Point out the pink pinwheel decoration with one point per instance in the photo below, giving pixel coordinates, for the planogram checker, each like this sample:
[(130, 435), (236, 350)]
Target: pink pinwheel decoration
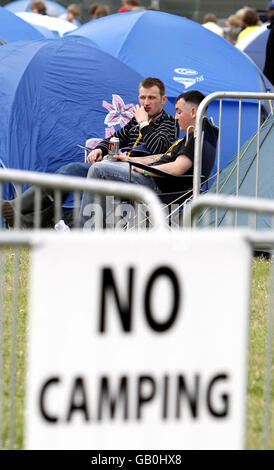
[(92, 143), (119, 112), (109, 131)]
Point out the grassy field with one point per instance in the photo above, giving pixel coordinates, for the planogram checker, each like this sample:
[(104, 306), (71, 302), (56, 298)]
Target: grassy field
[(258, 328)]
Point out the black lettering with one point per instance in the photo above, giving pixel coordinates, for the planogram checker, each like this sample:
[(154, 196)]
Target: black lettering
[(165, 400), (141, 396), (192, 398), (221, 413), (125, 307), (45, 414), (110, 402), (78, 400), (156, 326)]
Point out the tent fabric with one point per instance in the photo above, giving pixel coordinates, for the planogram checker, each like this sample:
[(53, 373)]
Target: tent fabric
[(57, 25), (54, 95), (247, 173), (254, 45), (14, 28), (185, 56), (53, 8), (192, 55)]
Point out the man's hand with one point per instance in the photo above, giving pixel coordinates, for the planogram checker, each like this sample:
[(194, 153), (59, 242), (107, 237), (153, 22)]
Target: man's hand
[(95, 156), (122, 157), (140, 113)]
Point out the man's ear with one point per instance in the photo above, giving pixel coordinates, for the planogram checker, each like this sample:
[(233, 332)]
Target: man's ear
[(164, 99), (193, 112)]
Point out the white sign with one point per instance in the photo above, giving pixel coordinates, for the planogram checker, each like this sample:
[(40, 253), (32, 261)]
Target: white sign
[(138, 341)]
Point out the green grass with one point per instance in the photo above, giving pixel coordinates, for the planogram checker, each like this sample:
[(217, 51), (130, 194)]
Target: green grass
[(257, 348), (258, 328)]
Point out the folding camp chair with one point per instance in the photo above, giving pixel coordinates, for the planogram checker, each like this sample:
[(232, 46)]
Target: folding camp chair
[(182, 185)]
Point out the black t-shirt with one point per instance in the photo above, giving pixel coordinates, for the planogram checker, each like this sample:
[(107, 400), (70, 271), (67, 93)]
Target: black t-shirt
[(182, 148)]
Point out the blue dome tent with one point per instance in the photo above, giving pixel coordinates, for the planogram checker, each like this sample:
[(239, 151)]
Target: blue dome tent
[(185, 56), (54, 95), (15, 29)]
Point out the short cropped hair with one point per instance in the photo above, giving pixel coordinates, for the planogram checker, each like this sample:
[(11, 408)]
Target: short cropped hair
[(152, 81), (193, 96)]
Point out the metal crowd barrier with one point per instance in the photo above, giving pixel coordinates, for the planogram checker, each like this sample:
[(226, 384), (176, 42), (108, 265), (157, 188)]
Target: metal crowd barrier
[(14, 279), (58, 183), (14, 270), (229, 97), (259, 240)]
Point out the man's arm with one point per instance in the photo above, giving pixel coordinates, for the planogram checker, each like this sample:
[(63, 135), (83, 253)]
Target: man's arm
[(159, 139), (123, 157), (179, 167)]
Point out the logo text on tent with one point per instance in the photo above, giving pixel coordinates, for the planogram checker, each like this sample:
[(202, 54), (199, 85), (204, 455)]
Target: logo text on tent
[(182, 71), (189, 79)]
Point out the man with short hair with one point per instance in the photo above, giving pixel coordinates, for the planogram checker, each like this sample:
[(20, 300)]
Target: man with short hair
[(177, 162), (150, 129)]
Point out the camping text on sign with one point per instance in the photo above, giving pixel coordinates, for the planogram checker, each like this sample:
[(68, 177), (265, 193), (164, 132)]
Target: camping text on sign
[(138, 341)]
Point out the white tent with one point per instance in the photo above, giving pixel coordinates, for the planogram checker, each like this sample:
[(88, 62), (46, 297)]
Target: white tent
[(57, 25), (254, 45)]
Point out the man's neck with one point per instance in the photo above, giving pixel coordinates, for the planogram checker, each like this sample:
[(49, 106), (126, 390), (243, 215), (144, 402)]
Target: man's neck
[(156, 115)]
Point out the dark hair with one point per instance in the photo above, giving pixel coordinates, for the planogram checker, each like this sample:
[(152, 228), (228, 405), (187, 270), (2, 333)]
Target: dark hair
[(152, 81), (93, 7), (134, 3), (210, 17), (193, 96), (251, 17), (101, 10)]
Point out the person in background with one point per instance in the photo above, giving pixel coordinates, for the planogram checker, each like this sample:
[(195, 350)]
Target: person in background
[(270, 11), (269, 56), (73, 12), (131, 5), (101, 10), (239, 15), (123, 8), (233, 29), (92, 9), (38, 7), (210, 22), (250, 22)]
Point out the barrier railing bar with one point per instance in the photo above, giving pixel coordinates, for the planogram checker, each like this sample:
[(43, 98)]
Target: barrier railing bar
[(2, 277), (13, 349), (238, 156), (268, 371), (37, 206), (199, 119), (108, 188), (219, 155)]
